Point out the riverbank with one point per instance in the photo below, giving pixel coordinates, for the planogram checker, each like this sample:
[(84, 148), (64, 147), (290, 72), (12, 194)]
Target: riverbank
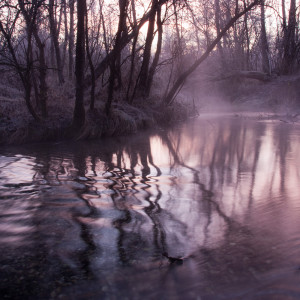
[(18, 127), (278, 96)]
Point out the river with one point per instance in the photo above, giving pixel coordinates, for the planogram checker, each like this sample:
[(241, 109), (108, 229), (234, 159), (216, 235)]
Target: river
[(92, 220)]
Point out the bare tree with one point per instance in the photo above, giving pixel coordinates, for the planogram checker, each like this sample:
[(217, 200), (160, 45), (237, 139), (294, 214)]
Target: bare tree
[(23, 68), (153, 67), (218, 28), (264, 41), (182, 77), (79, 111), (54, 34), (148, 45), (71, 39), (289, 42), (90, 61), (133, 54), (43, 88), (123, 4)]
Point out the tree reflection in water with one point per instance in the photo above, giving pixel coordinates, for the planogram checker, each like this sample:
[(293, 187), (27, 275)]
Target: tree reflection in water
[(106, 211)]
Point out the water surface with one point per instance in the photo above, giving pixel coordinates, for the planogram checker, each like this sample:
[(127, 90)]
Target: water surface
[(91, 220)]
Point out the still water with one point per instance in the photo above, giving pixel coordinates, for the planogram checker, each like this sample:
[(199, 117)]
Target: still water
[(91, 220)]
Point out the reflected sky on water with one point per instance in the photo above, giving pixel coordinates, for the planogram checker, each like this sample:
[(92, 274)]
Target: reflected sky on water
[(91, 220)]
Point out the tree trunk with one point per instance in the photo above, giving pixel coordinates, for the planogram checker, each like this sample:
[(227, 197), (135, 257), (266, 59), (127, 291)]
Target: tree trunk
[(147, 52), (264, 41), (31, 24), (66, 33), (79, 112), (289, 42), (131, 72), (182, 78), (132, 62), (104, 64), (283, 15), (157, 53), (91, 65), (71, 40), (54, 34), (27, 75), (247, 39), (239, 75), (116, 53), (43, 88), (25, 78), (218, 27)]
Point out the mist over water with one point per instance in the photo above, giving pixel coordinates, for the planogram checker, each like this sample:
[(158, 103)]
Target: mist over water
[(91, 220)]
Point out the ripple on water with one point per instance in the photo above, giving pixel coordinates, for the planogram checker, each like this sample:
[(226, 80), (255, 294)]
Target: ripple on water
[(97, 216)]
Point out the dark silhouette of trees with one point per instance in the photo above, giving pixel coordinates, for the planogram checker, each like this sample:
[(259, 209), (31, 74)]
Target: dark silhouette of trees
[(79, 111), (289, 41), (54, 31), (90, 61), (130, 52), (11, 52), (42, 93), (71, 39), (182, 78), (153, 67), (115, 57), (264, 41), (147, 51)]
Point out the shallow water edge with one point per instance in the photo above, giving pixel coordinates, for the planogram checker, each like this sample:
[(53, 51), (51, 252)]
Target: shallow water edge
[(92, 219)]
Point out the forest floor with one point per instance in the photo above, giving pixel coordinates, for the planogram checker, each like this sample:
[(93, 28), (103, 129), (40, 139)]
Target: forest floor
[(277, 98)]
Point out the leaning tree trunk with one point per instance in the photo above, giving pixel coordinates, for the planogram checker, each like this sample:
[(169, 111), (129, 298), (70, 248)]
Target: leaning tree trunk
[(104, 64), (147, 52), (182, 78), (131, 72), (79, 112), (115, 53), (157, 53)]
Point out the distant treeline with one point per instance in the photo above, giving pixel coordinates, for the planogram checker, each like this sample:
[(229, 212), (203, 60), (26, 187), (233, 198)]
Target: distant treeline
[(136, 51)]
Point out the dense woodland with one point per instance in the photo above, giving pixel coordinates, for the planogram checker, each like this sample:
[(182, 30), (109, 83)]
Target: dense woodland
[(103, 53)]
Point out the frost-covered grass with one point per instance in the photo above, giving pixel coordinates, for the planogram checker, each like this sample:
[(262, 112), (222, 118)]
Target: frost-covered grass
[(17, 125)]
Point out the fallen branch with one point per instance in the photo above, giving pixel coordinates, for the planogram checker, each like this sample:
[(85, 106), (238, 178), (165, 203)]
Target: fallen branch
[(244, 75)]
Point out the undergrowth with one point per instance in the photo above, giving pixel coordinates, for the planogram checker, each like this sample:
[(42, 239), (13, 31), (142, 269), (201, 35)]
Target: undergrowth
[(17, 127)]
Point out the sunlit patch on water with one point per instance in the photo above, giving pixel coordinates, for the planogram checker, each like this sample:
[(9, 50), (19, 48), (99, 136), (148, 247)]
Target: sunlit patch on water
[(94, 219)]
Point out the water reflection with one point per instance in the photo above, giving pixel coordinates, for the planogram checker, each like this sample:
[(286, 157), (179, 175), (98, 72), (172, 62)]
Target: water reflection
[(90, 219)]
